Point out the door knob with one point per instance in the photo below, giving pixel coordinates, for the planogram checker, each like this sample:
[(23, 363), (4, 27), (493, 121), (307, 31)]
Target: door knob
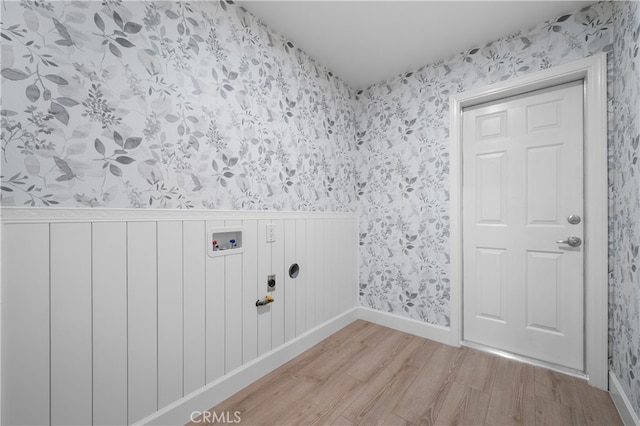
[(572, 241)]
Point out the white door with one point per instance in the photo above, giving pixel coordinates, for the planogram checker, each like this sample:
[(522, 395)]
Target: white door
[(522, 179)]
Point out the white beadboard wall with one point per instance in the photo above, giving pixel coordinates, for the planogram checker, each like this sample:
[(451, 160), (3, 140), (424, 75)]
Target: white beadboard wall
[(111, 315)]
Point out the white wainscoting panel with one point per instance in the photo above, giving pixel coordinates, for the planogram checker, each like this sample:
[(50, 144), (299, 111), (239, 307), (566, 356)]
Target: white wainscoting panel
[(142, 319), (233, 307), (109, 267), (233, 311), (249, 291), (70, 324), (214, 312), (300, 282), (193, 258), (265, 325), (289, 283), (310, 276), (111, 315), (170, 313), (321, 273), (278, 268), (332, 257), (25, 325)]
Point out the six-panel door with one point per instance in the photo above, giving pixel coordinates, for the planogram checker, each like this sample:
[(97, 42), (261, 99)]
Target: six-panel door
[(522, 178)]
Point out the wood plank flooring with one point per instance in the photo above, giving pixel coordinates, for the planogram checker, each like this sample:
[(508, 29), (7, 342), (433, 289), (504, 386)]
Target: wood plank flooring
[(366, 374)]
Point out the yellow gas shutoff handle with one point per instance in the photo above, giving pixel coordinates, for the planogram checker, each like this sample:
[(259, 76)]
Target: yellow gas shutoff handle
[(265, 301)]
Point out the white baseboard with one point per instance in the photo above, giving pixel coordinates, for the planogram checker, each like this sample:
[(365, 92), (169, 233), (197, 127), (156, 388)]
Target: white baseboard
[(407, 325), (628, 415), (217, 391)]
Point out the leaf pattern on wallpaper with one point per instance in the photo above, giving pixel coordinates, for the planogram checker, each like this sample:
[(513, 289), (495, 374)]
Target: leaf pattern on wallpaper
[(167, 104), (402, 182), (624, 182)]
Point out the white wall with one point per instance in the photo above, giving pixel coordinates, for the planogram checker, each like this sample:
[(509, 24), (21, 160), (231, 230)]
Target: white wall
[(111, 315)]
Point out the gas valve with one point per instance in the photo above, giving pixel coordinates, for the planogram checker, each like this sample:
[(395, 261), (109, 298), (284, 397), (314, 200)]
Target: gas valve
[(265, 301)]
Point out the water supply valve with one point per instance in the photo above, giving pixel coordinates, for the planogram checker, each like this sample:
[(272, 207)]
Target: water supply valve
[(223, 241)]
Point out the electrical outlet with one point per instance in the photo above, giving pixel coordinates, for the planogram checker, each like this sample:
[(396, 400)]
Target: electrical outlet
[(271, 233)]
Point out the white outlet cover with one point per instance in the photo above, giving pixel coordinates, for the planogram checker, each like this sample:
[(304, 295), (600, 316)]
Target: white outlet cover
[(271, 232)]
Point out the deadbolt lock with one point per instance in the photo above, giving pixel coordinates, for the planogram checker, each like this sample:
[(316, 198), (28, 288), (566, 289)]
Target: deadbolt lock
[(574, 219)]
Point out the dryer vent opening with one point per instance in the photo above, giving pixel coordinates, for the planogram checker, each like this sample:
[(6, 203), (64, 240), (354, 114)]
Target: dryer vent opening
[(294, 270)]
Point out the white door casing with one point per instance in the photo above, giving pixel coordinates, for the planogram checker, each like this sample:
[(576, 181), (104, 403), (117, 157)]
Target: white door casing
[(593, 70), (522, 177)]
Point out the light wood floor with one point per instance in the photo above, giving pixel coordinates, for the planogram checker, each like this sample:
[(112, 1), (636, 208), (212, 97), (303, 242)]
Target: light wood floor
[(368, 374)]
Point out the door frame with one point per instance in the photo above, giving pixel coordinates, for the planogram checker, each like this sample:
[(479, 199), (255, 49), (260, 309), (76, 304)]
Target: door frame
[(593, 70)]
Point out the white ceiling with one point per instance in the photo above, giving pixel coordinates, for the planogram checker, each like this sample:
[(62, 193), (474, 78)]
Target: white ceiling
[(365, 42)]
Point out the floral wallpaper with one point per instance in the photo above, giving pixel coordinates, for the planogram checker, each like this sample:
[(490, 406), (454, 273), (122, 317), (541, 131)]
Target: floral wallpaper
[(624, 234), (167, 105), (403, 158), (199, 105)]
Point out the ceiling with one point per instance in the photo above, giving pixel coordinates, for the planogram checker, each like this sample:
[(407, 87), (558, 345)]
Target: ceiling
[(365, 42)]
